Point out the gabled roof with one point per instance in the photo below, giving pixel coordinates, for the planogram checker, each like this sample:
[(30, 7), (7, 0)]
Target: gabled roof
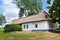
[(42, 16)]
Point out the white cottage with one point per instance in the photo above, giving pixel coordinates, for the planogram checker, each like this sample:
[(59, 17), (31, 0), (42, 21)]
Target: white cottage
[(39, 22)]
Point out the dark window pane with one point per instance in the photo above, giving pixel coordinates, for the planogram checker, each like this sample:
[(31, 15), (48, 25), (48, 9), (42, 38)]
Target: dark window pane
[(24, 26), (27, 26), (46, 16), (36, 25)]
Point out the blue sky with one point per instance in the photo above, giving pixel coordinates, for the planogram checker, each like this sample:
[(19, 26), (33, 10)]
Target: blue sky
[(10, 10), (1, 7), (45, 5)]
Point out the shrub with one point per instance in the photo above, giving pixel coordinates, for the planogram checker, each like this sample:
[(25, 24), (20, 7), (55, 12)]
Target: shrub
[(12, 27)]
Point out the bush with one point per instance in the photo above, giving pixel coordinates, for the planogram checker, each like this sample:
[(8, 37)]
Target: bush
[(12, 27)]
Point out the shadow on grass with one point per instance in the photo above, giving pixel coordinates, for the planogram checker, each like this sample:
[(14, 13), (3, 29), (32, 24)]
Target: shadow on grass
[(57, 31)]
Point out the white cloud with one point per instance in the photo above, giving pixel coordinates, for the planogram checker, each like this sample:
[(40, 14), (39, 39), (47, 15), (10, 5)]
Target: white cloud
[(10, 10)]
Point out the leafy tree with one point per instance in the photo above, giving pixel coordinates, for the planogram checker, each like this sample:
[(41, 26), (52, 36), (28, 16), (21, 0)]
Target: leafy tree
[(54, 10), (28, 7), (2, 19)]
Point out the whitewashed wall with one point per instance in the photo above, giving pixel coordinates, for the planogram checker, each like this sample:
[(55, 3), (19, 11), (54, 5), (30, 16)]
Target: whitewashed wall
[(41, 26)]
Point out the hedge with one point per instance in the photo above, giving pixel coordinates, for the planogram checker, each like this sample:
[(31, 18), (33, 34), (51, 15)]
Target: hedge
[(12, 27)]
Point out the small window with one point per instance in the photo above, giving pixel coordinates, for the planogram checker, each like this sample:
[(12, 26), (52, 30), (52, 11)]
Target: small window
[(24, 26), (46, 16), (36, 25), (27, 26)]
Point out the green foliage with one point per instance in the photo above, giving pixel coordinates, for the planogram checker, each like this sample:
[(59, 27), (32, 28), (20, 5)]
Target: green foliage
[(57, 25), (48, 1), (2, 19), (12, 27), (31, 6), (54, 11)]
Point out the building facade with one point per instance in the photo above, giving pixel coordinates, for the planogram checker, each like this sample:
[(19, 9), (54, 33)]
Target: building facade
[(39, 22)]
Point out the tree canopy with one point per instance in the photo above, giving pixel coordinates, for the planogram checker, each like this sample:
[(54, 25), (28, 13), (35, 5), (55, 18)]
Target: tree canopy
[(54, 10), (2, 19), (28, 7)]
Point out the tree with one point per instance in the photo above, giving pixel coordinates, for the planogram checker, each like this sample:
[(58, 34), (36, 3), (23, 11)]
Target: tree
[(2, 19), (54, 10), (28, 7)]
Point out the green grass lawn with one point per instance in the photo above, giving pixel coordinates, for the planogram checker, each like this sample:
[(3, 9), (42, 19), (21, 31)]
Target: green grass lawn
[(29, 36)]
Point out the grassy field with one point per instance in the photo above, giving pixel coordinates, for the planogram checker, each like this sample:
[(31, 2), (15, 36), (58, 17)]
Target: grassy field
[(29, 36)]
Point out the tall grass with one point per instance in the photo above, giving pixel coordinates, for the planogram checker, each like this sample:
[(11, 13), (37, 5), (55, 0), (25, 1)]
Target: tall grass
[(29, 36), (20, 35)]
